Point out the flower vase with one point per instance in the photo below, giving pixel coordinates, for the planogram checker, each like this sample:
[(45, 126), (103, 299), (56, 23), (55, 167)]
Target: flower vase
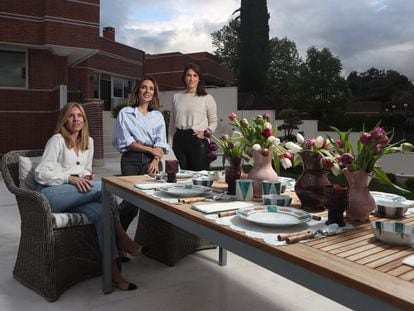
[(233, 172), (361, 202), (311, 183), (262, 170)]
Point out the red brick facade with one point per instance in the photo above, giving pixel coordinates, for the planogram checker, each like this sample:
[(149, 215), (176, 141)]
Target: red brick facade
[(167, 68), (62, 45)]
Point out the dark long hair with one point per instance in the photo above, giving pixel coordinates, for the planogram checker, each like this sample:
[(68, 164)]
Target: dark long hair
[(201, 91), (133, 99)]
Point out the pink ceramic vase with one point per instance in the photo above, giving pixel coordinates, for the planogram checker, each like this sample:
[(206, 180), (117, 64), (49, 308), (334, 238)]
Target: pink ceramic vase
[(361, 202), (262, 170)]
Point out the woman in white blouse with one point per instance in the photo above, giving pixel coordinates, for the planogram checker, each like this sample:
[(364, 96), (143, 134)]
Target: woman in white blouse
[(65, 177), (193, 112)]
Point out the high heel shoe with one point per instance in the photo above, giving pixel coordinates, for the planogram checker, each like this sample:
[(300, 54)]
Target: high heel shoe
[(134, 252), (125, 286)]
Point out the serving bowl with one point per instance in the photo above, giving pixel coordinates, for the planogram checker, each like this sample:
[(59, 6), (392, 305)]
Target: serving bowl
[(396, 233), (390, 209), (203, 180)]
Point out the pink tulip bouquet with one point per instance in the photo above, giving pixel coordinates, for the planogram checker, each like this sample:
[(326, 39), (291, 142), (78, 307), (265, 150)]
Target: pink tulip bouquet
[(370, 147)]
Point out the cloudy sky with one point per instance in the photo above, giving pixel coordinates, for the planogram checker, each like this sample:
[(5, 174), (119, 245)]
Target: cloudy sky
[(362, 33)]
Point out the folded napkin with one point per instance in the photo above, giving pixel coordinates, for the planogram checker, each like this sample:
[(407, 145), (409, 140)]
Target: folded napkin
[(149, 186), (409, 261), (220, 207)]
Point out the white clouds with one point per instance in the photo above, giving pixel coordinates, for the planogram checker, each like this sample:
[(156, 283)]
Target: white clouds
[(362, 33)]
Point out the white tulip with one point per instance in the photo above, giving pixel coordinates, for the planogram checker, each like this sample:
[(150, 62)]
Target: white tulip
[(299, 138), (292, 147), (286, 163), (256, 147), (335, 169), (319, 142)]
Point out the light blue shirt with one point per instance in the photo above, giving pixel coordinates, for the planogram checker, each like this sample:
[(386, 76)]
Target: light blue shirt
[(132, 126)]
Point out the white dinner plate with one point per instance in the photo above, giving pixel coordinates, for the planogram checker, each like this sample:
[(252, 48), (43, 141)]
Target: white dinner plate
[(273, 215), (185, 191), (387, 196)]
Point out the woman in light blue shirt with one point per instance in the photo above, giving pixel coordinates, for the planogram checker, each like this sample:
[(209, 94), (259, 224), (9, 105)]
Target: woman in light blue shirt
[(140, 135)]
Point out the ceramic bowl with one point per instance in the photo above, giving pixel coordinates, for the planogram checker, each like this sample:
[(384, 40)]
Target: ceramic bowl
[(393, 233), (203, 180), (390, 209), (276, 199)]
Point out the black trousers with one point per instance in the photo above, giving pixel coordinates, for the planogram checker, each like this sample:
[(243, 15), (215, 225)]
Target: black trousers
[(190, 150), (132, 163)]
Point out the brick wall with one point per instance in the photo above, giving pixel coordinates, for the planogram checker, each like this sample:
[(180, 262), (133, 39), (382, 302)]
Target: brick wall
[(93, 111)]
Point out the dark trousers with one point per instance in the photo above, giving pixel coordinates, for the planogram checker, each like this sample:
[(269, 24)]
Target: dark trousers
[(190, 150), (132, 163)]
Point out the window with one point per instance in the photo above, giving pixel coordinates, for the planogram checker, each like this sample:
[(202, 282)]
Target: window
[(122, 87), (12, 69)]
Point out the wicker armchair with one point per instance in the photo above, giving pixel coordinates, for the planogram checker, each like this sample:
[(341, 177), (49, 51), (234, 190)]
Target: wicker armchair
[(49, 259)]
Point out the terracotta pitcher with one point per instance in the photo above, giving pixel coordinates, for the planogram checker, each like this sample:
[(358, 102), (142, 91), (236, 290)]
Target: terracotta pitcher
[(262, 170)]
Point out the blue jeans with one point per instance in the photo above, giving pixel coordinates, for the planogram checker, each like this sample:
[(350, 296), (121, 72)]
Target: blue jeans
[(67, 198)]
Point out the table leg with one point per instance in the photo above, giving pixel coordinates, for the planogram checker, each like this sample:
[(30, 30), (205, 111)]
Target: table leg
[(107, 228), (222, 257)]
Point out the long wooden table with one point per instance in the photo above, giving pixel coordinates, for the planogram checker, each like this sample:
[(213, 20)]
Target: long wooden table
[(352, 268)]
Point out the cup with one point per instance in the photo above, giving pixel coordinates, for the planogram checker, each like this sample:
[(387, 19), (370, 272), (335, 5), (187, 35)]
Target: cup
[(276, 199), (271, 187), (244, 189), (171, 168), (336, 199)]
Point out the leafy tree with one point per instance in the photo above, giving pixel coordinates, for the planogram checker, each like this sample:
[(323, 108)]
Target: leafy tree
[(291, 121), (378, 85), (324, 93), (226, 41), (283, 72), (254, 45)]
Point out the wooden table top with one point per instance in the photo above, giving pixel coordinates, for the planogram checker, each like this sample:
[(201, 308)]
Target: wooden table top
[(354, 258)]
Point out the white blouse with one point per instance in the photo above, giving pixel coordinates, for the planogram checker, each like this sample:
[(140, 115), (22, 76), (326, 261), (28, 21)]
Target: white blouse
[(58, 162)]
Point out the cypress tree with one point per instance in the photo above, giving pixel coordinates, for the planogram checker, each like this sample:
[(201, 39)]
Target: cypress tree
[(254, 46)]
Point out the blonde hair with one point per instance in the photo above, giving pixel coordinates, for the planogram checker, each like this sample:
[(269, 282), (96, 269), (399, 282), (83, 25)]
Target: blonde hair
[(133, 99), (83, 136)]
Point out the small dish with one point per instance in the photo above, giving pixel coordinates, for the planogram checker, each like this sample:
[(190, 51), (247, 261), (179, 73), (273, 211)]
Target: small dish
[(203, 180), (393, 233), (273, 215), (185, 191), (288, 184), (390, 209)]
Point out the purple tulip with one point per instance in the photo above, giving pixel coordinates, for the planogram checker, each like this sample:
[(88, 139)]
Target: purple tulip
[(377, 133), (347, 158), (213, 146), (232, 116), (207, 133), (231, 145), (365, 138), (266, 116), (384, 140), (308, 143), (340, 144)]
